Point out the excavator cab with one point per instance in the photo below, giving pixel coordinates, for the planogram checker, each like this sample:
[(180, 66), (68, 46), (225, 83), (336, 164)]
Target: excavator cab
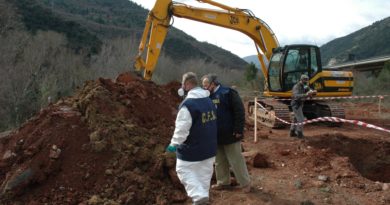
[(286, 66), (288, 63)]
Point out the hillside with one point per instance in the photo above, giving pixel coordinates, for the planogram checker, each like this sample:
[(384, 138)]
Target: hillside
[(51, 47), (371, 41), (255, 60), (252, 59), (120, 18)]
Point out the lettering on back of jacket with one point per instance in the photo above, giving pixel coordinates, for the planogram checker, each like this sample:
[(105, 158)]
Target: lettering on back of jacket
[(216, 101), (208, 116)]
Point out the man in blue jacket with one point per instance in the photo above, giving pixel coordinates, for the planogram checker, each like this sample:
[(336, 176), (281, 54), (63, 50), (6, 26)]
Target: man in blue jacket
[(230, 123), (195, 140)]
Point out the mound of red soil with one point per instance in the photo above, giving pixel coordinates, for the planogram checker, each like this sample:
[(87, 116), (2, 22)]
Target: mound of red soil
[(104, 145)]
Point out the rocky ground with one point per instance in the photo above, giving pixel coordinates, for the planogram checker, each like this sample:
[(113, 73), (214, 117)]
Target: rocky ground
[(105, 145)]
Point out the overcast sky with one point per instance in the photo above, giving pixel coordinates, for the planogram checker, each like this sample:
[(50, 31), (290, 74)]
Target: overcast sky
[(298, 21)]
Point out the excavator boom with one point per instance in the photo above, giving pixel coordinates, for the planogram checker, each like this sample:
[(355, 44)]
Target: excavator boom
[(242, 20)]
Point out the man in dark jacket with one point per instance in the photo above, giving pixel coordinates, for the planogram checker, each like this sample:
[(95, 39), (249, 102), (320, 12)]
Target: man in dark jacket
[(230, 128), (300, 92)]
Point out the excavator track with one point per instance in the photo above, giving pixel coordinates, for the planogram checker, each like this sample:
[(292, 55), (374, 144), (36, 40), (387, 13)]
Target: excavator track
[(326, 109), (274, 109), (280, 109)]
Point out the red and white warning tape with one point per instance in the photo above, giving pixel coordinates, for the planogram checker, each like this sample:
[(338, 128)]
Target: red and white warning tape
[(348, 97), (331, 119)]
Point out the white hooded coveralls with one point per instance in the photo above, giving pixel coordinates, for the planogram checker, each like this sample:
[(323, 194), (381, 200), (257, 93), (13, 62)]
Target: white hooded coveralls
[(195, 176)]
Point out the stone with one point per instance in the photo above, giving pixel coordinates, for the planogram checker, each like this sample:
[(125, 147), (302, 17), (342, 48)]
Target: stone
[(323, 178), (130, 126), (86, 176), (385, 186), (8, 155), (95, 136), (326, 189), (109, 172), (54, 152), (328, 200), (99, 146), (95, 200)]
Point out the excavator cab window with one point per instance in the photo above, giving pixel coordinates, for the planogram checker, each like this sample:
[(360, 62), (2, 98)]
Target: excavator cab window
[(313, 62), (274, 71), (296, 64)]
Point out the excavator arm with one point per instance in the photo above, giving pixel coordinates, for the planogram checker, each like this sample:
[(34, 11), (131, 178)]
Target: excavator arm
[(281, 80), (242, 20)]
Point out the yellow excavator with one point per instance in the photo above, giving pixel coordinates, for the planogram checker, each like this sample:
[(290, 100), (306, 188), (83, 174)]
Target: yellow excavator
[(281, 69)]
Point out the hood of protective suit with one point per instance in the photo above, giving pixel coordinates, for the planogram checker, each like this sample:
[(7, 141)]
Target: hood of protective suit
[(198, 92)]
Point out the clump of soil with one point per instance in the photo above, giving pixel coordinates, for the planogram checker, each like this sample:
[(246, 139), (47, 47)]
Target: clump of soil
[(105, 144)]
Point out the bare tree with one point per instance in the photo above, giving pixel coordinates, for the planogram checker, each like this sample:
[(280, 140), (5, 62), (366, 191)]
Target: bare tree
[(116, 56), (8, 20), (168, 70)]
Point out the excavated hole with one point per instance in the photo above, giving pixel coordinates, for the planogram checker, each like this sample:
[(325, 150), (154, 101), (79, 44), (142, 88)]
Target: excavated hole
[(370, 157)]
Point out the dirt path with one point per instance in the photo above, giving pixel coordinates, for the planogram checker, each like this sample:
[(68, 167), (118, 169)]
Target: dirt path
[(106, 145), (352, 162)]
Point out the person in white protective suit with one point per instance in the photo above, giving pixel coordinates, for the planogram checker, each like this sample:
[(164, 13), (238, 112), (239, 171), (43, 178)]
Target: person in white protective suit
[(195, 140)]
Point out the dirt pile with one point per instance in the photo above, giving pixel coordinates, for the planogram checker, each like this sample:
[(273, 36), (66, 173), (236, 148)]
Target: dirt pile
[(104, 145)]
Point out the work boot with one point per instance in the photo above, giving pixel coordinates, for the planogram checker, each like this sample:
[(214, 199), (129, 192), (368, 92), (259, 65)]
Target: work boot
[(293, 133), (220, 187), (300, 135)]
